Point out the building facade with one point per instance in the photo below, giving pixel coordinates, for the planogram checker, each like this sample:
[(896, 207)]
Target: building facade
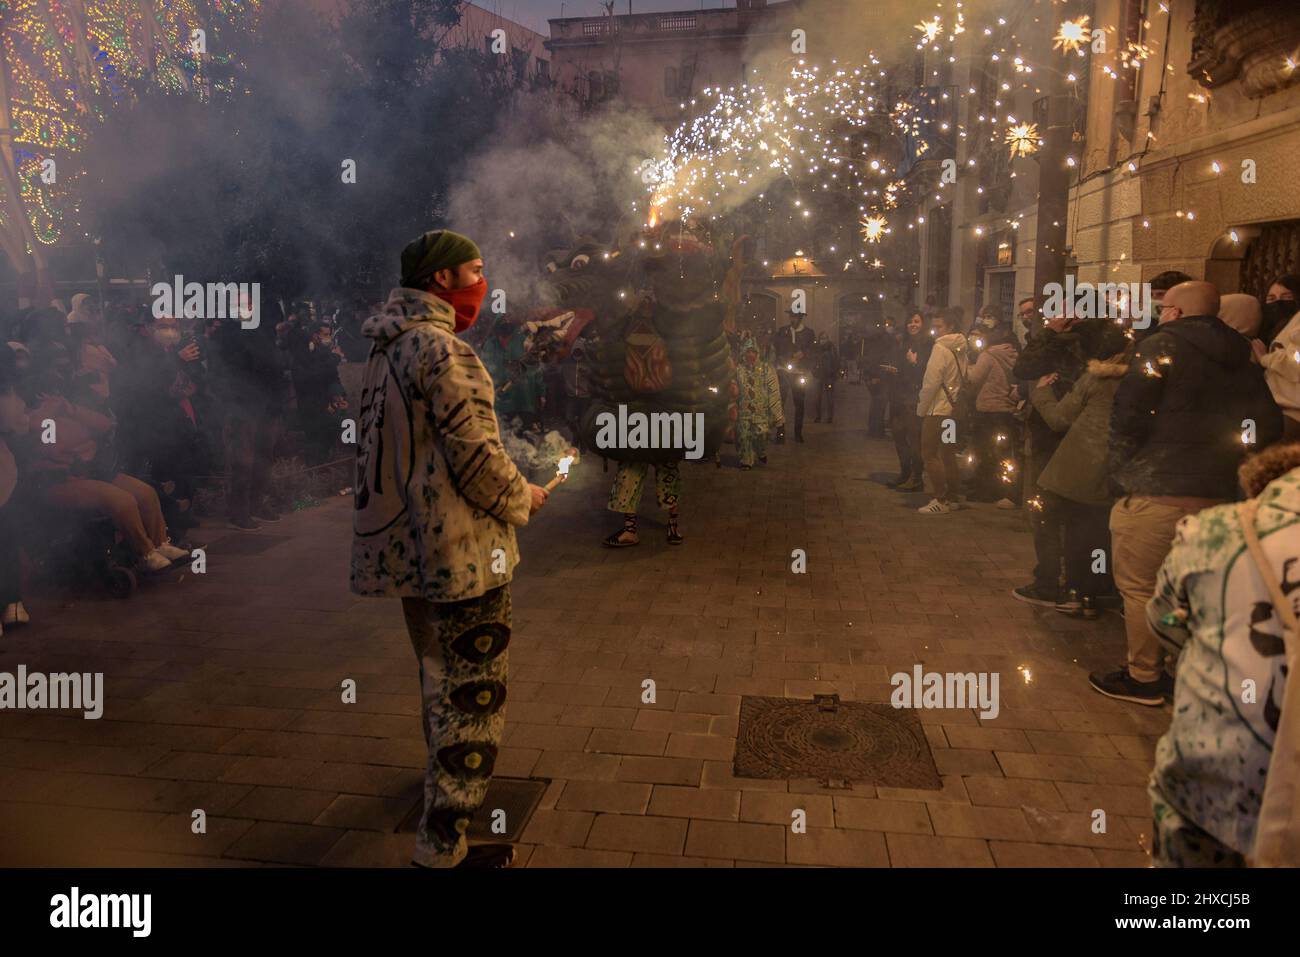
[(1193, 161)]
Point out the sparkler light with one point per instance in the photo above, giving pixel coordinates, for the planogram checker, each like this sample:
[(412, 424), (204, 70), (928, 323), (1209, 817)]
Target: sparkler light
[(873, 227), (930, 28), (1071, 36), (562, 469), (1023, 139)]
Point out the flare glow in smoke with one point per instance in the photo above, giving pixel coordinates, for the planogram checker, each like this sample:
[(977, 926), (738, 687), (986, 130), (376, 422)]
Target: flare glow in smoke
[(1071, 35)]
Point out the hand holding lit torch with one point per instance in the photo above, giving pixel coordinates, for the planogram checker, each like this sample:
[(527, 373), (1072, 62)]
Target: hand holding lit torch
[(562, 469)]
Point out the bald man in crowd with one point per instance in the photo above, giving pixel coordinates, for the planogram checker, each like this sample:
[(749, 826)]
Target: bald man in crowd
[(1191, 405)]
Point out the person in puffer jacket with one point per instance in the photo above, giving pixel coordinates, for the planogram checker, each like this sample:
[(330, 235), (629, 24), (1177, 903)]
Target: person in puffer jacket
[(436, 503)]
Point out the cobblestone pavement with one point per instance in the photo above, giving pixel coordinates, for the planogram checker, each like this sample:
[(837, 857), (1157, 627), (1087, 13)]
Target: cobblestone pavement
[(223, 690)]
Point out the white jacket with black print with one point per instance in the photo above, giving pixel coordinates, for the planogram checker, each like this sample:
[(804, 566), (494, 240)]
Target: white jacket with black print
[(437, 497)]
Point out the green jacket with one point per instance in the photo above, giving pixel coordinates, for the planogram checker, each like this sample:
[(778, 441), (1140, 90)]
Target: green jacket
[(1077, 469)]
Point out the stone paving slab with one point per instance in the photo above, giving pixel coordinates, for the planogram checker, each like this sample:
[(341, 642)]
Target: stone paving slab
[(223, 690)]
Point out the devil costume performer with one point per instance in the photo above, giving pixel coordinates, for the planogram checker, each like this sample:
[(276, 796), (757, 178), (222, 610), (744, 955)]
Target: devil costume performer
[(668, 355)]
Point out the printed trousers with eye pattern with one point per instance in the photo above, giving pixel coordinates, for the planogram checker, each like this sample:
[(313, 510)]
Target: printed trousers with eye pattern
[(461, 648), (630, 478)]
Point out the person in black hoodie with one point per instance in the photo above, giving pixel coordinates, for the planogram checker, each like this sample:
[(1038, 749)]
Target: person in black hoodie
[(902, 375), (1190, 406)]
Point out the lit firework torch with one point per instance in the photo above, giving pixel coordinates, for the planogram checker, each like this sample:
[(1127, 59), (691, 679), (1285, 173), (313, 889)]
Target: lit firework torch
[(562, 469)]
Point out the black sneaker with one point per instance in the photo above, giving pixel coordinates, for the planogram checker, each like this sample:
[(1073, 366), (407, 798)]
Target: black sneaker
[(1120, 686), (242, 524), (1034, 595), (482, 857), (488, 856), (1070, 603)]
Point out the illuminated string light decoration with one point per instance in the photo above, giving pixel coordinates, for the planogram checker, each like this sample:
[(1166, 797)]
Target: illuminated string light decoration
[(65, 62), (1071, 36), (1023, 139)]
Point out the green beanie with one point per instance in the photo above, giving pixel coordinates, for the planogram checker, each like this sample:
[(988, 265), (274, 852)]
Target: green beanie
[(440, 249)]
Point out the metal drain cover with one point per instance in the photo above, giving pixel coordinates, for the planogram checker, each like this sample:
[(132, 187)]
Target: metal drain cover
[(834, 742), (517, 797)]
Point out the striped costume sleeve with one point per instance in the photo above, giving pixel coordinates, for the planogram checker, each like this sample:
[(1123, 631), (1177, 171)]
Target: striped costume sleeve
[(460, 395)]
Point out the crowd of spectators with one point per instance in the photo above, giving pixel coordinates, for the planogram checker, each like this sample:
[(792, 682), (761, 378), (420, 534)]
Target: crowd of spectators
[(110, 413)]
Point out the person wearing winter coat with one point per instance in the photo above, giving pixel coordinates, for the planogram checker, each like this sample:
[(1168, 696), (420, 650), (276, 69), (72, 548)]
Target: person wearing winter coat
[(1191, 404), (1222, 603), (436, 503), (1281, 301), (1282, 360), (1055, 347), (1074, 484), (945, 377), (996, 428), (902, 375), (248, 382), (794, 353), (315, 377), (759, 408), (826, 372)]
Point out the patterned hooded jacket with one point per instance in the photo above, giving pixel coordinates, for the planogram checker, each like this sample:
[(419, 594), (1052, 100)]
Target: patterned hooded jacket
[(1210, 601), (759, 403), (436, 493)]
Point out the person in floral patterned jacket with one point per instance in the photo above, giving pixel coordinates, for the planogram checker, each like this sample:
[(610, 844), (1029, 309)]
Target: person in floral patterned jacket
[(759, 408), (1213, 602), (436, 503)]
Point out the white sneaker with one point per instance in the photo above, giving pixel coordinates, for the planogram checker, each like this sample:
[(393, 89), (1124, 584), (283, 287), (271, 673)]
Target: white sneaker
[(171, 552), (15, 614), (1006, 503), (156, 561), (935, 507)]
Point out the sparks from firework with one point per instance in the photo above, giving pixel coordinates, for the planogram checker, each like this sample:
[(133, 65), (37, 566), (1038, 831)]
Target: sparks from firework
[(873, 227), (1023, 139), (930, 28), (1071, 35)]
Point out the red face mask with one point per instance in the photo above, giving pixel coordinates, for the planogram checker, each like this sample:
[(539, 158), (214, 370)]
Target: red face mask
[(465, 301)]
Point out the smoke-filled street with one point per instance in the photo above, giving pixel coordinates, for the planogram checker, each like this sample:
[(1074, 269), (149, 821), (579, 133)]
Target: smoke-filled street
[(241, 713), (601, 442)]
